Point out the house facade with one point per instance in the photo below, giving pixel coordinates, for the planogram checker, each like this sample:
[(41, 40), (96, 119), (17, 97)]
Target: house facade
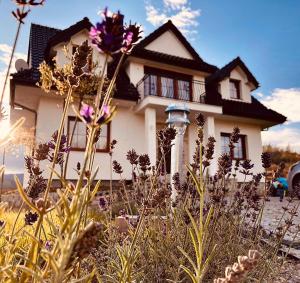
[(162, 69)]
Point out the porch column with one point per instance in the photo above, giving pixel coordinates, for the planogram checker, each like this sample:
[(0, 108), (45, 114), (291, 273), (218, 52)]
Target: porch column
[(150, 133), (209, 131)]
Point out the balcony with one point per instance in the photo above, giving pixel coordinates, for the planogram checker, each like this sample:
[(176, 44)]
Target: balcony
[(166, 87)]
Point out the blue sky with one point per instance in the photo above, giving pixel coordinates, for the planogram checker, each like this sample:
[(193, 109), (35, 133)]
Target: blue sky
[(265, 34)]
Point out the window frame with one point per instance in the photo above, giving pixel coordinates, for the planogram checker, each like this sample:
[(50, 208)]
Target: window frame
[(69, 129), (90, 62), (160, 73), (237, 84), (244, 150)]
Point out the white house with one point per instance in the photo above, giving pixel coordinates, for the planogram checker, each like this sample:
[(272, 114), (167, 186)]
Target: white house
[(162, 69)]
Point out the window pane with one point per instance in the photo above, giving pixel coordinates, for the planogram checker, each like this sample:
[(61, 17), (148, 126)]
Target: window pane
[(79, 137), (238, 150), (234, 89), (225, 145), (102, 142), (150, 86), (167, 87), (183, 90)]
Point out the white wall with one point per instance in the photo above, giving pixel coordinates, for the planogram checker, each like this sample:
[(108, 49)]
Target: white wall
[(64, 58), (168, 43), (253, 141), (127, 128)]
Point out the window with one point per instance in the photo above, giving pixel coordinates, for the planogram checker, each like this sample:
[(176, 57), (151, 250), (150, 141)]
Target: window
[(167, 84), (235, 89), (167, 87), (90, 62), (184, 89), (80, 136), (151, 85), (239, 151)]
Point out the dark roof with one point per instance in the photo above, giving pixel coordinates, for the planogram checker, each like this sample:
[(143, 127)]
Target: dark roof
[(196, 63), (173, 60), (66, 34), (224, 72), (42, 37), (38, 39), (255, 110), (124, 88)]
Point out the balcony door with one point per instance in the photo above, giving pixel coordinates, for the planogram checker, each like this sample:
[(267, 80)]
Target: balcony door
[(167, 84)]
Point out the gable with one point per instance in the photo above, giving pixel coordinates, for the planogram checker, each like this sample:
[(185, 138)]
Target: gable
[(168, 43)]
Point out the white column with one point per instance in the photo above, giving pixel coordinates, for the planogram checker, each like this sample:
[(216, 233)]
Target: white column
[(177, 162), (209, 131), (150, 133)]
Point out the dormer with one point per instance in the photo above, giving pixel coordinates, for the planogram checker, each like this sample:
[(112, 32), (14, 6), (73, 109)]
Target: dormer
[(68, 40), (235, 81)]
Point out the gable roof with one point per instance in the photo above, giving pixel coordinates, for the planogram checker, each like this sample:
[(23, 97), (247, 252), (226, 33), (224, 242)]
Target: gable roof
[(224, 72), (162, 29), (66, 34), (42, 38), (196, 63), (38, 39)]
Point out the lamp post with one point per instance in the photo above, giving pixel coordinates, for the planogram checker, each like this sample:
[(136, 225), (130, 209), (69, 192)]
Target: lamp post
[(177, 118)]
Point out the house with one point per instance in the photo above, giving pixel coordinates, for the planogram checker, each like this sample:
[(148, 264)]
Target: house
[(163, 68)]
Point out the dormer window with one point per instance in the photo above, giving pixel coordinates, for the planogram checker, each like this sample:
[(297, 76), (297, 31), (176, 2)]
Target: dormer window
[(90, 63), (235, 92)]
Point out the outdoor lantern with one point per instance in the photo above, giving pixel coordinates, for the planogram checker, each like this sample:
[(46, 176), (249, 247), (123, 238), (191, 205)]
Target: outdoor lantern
[(177, 118)]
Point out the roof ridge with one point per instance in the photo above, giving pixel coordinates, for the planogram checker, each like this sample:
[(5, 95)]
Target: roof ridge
[(223, 71), (45, 26)]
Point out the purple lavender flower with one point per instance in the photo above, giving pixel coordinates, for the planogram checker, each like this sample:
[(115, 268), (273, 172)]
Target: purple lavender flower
[(103, 204), (106, 114), (108, 35), (131, 36), (87, 112), (48, 245), (63, 148), (31, 218)]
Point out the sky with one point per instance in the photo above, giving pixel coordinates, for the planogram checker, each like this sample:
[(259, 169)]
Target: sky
[(265, 34)]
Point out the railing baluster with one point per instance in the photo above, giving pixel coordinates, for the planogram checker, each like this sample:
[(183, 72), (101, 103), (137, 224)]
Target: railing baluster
[(193, 91)]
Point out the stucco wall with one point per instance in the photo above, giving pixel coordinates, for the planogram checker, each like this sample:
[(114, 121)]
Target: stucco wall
[(127, 128), (245, 87), (76, 40), (168, 43), (253, 141)]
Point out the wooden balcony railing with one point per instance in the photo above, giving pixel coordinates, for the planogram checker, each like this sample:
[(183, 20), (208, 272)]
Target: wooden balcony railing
[(187, 90)]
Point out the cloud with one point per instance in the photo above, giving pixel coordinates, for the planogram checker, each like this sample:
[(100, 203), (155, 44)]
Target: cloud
[(286, 102), (283, 137), (178, 11), (175, 4), (5, 53)]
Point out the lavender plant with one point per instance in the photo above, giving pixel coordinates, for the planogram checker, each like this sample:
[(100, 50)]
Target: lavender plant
[(210, 224)]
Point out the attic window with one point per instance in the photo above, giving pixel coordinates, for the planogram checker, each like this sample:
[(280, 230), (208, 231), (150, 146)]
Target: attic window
[(235, 92), (90, 63)]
